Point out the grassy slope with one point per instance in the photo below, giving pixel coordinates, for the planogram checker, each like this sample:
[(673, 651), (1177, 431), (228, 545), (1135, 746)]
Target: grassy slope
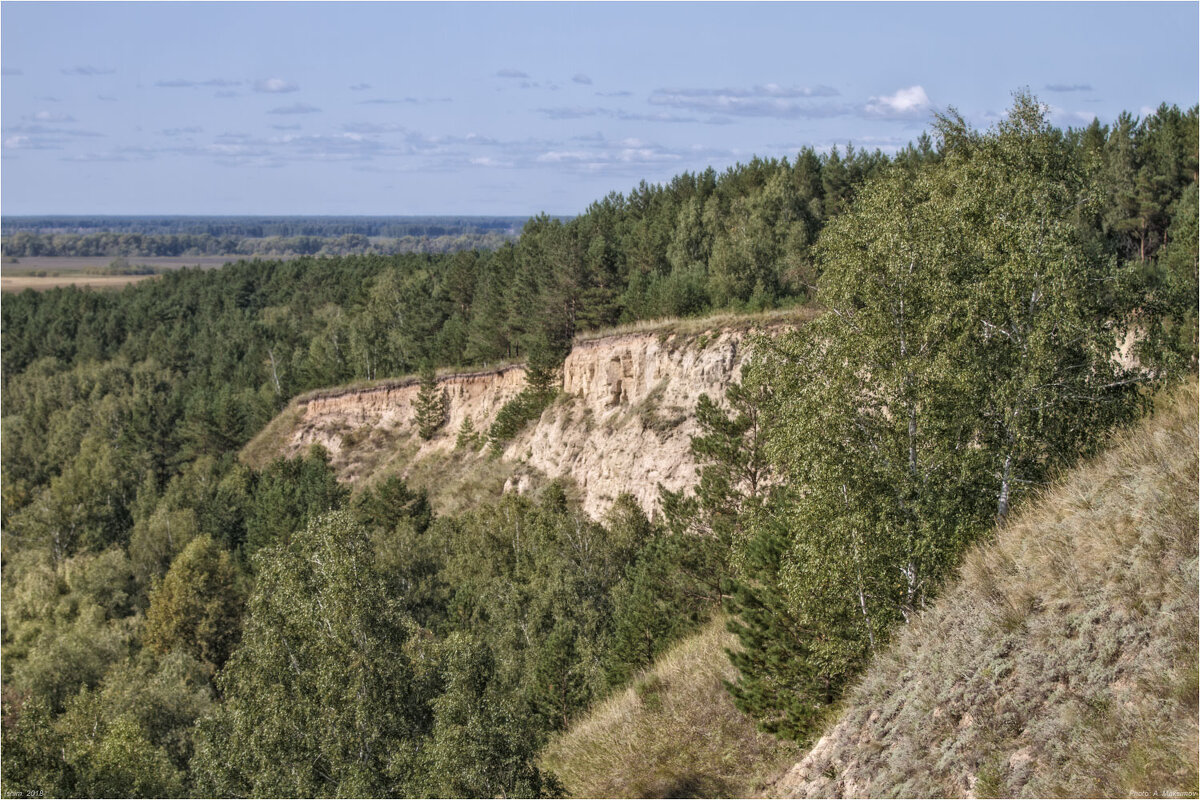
[(1063, 662), (673, 733)]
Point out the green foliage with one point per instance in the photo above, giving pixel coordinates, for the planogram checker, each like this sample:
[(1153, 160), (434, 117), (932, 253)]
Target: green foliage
[(536, 583), (130, 736), (681, 577), (541, 387), (33, 749), (1172, 285), (118, 760), (661, 599), (978, 286), (84, 508), (1093, 585), (319, 697), (287, 495), (963, 309), (65, 624), (801, 634), (431, 405), (196, 609), (468, 438), (481, 745), (390, 503)]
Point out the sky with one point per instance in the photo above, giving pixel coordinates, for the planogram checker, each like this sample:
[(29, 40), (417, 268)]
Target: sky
[(519, 108)]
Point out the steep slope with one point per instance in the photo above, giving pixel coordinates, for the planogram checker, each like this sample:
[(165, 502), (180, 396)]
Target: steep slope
[(1064, 659), (623, 422), (673, 733)]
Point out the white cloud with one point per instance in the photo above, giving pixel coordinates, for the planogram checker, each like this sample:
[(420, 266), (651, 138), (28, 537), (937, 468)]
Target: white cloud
[(52, 116), (905, 103), (22, 142), (275, 86)]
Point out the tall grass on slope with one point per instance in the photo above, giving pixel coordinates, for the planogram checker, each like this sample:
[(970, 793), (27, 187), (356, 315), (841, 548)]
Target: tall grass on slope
[(1063, 662), (673, 733)]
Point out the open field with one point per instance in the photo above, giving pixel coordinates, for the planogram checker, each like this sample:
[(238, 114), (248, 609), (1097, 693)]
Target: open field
[(19, 283), (48, 272)]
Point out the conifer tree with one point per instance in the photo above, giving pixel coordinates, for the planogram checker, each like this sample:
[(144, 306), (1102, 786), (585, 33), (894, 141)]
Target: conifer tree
[(431, 405)]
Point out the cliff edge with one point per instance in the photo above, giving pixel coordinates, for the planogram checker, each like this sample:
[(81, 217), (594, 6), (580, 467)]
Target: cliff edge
[(622, 423)]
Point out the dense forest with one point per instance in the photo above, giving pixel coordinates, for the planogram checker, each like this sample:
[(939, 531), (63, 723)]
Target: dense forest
[(175, 622)]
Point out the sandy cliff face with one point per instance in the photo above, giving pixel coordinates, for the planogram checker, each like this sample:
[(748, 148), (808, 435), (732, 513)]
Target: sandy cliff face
[(623, 423)]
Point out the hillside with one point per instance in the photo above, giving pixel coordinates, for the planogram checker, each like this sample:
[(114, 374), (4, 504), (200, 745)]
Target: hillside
[(1062, 662), (630, 745), (623, 422)]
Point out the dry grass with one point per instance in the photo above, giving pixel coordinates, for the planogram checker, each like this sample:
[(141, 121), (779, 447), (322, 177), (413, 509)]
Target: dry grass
[(1063, 662), (673, 733), (19, 283), (694, 326), (268, 444), (458, 480)]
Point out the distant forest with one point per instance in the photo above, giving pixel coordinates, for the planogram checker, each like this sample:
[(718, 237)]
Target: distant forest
[(178, 623), (153, 236)]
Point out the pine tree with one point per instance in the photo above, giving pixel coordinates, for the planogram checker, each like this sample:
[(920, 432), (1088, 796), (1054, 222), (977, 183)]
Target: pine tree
[(468, 437), (431, 405)]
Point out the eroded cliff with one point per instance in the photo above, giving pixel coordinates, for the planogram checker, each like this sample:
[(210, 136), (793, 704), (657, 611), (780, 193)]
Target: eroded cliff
[(623, 422)]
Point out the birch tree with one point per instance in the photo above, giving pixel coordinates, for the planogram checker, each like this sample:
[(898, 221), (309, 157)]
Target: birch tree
[(969, 347)]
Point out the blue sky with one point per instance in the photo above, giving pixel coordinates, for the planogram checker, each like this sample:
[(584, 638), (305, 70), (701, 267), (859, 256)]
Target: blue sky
[(498, 108)]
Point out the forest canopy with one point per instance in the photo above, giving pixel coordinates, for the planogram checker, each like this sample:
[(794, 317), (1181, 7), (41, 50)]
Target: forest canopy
[(175, 622)]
